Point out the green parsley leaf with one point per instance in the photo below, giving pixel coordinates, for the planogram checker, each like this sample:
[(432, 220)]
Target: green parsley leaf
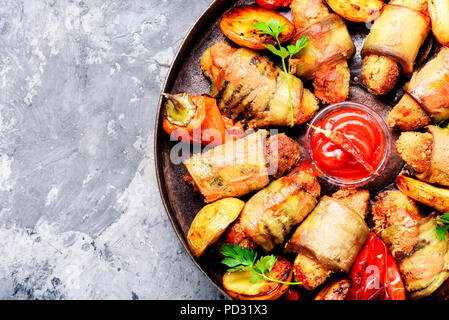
[(443, 124), (441, 232), (274, 29), (244, 259), (443, 226), (300, 44)]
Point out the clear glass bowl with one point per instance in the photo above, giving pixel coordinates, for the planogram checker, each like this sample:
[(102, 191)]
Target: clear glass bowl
[(341, 106)]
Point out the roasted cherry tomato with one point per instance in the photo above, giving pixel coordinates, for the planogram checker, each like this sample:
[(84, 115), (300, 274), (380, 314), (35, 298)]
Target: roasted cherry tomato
[(274, 4)]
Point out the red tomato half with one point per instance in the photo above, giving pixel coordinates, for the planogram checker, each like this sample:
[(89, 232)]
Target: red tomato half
[(274, 4)]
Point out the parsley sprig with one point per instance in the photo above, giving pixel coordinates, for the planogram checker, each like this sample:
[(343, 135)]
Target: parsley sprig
[(244, 259), (274, 29), (443, 124), (442, 226)]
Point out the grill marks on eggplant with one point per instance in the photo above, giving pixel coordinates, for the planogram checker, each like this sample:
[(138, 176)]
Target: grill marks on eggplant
[(250, 87)]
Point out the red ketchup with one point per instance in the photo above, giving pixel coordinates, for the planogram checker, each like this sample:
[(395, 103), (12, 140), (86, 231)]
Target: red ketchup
[(365, 133)]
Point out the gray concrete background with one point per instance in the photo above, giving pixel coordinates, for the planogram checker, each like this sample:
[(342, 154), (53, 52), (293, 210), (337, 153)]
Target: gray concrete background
[(80, 212)]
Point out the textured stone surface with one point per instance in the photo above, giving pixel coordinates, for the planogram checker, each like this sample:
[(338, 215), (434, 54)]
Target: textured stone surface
[(80, 212)]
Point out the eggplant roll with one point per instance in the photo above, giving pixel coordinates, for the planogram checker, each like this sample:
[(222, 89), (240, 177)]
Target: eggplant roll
[(329, 44), (430, 86), (398, 33), (250, 88), (324, 58), (333, 234), (231, 169), (425, 270), (270, 214), (427, 153)]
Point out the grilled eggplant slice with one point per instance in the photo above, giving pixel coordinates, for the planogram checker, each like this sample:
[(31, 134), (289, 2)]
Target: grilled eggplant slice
[(425, 270), (272, 212), (333, 234), (238, 25), (238, 286), (250, 88), (357, 10), (231, 169), (425, 193), (394, 23), (430, 86), (210, 223)]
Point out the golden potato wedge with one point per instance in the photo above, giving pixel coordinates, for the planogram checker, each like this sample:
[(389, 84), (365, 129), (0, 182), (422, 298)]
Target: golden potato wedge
[(238, 25), (439, 14), (425, 193), (211, 222), (336, 290), (237, 283), (357, 10)]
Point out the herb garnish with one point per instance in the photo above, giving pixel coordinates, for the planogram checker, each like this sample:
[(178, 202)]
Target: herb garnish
[(443, 124), (274, 29), (244, 259), (443, 226)]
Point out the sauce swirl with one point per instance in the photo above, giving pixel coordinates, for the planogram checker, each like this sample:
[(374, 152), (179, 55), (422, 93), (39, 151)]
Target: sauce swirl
[(362, 130)]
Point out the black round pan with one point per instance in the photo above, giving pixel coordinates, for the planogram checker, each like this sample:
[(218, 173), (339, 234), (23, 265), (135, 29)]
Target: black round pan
[(185, 75)]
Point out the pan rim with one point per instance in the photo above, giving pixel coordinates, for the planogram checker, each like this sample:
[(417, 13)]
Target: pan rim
[(186, 43)]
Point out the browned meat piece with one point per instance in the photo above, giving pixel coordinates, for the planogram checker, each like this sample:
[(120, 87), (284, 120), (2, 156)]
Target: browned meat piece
[(356, 199), (336, 290), (236, 235), (415, 148), (189, 180), (332, 84), (309, 272), (396, 221), (307, 12), (408, 115), (282, 153), (380, 73)]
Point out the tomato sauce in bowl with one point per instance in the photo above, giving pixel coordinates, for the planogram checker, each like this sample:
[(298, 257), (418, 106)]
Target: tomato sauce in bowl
[(363, 128)]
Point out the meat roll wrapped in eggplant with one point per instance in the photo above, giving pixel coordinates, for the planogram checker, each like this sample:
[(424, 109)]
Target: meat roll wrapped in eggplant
[(427, 153), (332, 233), (324, 58), (426, 97), (237, 167), (308, 269), (430, 86), (231, 169), (270, 214), (425, 270), (393, 40), (249, 87)]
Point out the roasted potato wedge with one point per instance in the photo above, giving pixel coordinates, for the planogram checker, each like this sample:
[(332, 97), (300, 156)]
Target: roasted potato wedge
[(439, 14), (211, 222), (357, 10), (237, 283), (425, 193), (238, 25), (336, 290)]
